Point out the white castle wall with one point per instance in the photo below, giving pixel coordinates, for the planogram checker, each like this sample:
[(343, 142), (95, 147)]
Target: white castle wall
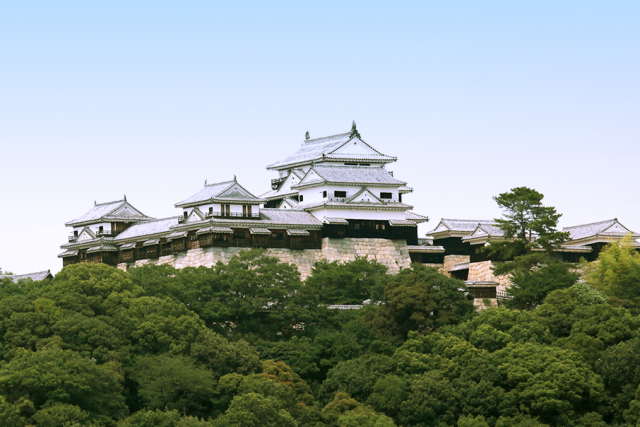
[(392, 253)]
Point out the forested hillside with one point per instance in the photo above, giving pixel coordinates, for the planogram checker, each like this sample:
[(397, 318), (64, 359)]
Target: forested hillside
[(249, 344)]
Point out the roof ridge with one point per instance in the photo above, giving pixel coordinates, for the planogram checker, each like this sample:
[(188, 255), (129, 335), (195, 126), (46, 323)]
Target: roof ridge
[(592, 223), (325, 137), (469, 220), (218, 183), (108, 203)]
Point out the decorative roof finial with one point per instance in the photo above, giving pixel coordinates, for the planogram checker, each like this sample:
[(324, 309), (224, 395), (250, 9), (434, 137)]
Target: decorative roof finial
[(306, 135), (125, 197), (95, 203), (205, 182), (354, 131), (234, 179)]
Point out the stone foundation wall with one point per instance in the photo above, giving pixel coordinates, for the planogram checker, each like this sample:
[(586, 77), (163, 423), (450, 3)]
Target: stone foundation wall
[(451, 260), (392, 253), (481, 271)]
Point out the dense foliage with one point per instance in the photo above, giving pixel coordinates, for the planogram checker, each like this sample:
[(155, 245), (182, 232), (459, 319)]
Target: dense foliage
[(250, 344)]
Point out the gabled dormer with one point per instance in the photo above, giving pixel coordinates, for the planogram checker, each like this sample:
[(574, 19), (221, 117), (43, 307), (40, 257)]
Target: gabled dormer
[(85, 234), (106, 219), (364, 196), (223, 199), (348, 147), (602, 232)]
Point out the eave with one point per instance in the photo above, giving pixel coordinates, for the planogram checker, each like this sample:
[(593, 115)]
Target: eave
[(358, 207), (220, 201), (320, 159)]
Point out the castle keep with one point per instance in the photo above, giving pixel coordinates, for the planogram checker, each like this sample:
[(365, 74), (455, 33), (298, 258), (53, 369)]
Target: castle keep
[(333, 199)]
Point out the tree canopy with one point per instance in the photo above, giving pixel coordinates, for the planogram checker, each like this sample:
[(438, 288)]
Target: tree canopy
[(249, 344)]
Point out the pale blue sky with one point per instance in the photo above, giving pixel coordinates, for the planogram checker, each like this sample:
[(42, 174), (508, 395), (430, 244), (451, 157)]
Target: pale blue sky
[(149, 99)]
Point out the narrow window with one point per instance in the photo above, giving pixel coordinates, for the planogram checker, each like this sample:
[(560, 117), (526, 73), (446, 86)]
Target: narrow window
[(227, 209), (339, 194), (324, 194), (249, 210), (75, 233), (244, 210), (386, 195), (301, 198), (100, 229), (185, 214), (210, 210)]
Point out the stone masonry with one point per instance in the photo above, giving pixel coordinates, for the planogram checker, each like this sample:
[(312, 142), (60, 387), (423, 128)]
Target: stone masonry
[(392, 253), (481, 271)]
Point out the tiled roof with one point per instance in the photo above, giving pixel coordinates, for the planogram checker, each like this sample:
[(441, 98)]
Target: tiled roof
[(591, 230), (289, 217), (401, 223), (298, 232), (215, 230), (104, 210), (428, 249), (460, 266), (36, 277), (358, 205), (66, 254), (216, 191), (176, 235), (353, 175), (259, 231), (335, 221), (412, 216), (314, 149), (102, 248), (147, 228), (459, 225)]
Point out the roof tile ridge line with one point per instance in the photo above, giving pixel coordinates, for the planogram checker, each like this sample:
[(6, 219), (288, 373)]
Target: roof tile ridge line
[(325, 137), (469, 220), (362, 190), (239, 185), (359, 139), (594, 223), (158, 219), (108, 203), (218, 183)]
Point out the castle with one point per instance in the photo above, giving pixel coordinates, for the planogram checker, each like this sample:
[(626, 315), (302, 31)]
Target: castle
[(333, 199)]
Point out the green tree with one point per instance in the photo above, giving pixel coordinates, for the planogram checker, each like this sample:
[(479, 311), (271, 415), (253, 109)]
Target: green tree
[(10, 414), (255, 410), (364, 419), (53, 376), (346, 283), (470, 421), (420, 299), (526, 223), (146, 418), (356, 377), (222, 356), (62, 415), (259, 296), (617, 271), (174, 383), (530, 286)]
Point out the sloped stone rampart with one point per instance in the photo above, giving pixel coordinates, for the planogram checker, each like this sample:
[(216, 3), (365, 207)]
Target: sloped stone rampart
[(481, 271), (392, 253)]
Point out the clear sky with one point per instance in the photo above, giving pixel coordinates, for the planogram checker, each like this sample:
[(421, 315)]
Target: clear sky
[(149, 99)]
